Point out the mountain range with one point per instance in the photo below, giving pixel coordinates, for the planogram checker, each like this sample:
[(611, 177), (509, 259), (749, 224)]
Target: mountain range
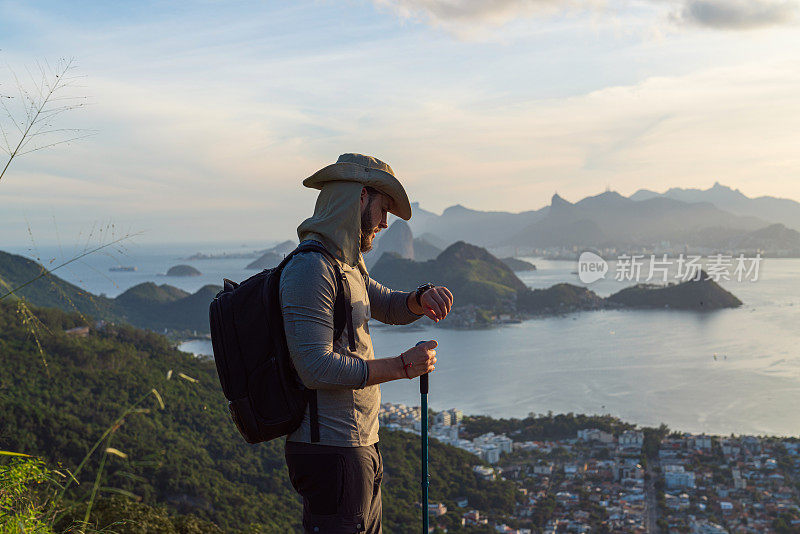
[(771, 209), (719, 218)]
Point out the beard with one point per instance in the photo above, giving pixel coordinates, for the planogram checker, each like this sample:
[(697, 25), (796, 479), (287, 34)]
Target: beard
[(367, 228)]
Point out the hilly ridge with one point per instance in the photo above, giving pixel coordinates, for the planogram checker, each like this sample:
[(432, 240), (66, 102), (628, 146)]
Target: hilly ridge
[(609, 219), (49, 290), (146, 305), (475, 276), (717, 218), (478, 278), (769, 208), (470, 272), (186, 456)]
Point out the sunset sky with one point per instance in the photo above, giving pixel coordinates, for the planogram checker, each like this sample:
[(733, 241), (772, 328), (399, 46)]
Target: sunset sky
[(207, 115)]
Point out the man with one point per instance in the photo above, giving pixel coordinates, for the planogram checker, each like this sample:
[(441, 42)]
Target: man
[(337, 467)]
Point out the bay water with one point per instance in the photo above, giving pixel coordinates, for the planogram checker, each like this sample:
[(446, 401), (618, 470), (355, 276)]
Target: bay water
[(726, 371)]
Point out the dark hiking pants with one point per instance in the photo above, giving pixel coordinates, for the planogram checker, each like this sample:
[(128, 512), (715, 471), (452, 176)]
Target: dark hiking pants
[(340, 486)]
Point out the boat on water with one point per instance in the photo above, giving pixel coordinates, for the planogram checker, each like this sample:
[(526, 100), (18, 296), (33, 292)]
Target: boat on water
[(122, 269)]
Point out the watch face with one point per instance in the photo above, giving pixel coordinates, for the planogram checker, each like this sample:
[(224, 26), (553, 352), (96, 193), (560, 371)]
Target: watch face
[(422, 289)]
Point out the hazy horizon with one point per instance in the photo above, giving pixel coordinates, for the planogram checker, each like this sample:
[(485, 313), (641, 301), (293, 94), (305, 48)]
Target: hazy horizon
[(143, 237)]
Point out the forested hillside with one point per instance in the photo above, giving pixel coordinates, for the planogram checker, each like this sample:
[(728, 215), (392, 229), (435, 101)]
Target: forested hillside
[(186, 456), (470, 272)]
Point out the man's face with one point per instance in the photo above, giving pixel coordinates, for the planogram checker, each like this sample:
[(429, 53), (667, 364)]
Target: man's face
[(373, 217)]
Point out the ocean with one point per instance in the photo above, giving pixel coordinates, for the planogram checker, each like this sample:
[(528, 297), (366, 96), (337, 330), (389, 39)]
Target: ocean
[(721, 372)]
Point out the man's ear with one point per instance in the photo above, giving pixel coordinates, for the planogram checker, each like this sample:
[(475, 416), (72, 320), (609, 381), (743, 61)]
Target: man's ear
[(364, 197)]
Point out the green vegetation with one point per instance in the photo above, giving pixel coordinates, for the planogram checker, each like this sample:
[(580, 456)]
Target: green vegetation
[(468, 271), (451, 477), (560, 298), (50, 290), (25, 496), (652, 442), (544, 426), (158, 307), (183, 270), (478, 278), (518, 265), (183, 466), (29, 502), (146, 305), (703, 294)]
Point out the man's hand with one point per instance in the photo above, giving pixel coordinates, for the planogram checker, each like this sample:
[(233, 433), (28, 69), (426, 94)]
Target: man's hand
[(436, 303), (420, 359), (412, 363)]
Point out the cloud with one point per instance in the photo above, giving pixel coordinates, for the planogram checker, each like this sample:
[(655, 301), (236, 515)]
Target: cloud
[(739, 14), (735, 122), (202, 136), (172, 164), (472, 18), (493, 11)]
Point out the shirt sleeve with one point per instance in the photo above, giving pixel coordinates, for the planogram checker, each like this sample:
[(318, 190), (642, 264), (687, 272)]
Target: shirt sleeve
[(389, 306), (307, 295)]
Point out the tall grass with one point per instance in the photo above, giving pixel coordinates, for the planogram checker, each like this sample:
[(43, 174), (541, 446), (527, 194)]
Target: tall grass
[(32, 111), (28, 123), (26, 490), (34, 497)]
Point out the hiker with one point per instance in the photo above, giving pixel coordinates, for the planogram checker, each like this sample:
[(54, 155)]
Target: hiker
[(336, 466)]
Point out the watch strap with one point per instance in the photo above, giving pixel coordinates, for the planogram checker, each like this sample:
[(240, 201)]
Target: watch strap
[(420, 290)]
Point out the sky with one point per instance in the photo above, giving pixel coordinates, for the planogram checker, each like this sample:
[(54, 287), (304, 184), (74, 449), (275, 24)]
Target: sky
[(199, 120)]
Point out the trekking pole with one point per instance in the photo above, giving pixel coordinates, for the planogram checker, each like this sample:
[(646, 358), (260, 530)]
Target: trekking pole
[(423, 390)]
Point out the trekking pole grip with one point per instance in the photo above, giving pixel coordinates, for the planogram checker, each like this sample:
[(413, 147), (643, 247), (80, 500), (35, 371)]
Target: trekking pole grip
[(423, 379)]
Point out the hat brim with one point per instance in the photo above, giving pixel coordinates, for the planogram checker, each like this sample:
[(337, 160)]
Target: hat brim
[(380, 180)]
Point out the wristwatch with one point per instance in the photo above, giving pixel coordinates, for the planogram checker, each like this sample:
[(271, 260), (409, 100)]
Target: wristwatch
[(420, 290)]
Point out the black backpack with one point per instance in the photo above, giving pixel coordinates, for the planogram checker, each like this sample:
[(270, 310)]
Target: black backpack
[(266, 397)]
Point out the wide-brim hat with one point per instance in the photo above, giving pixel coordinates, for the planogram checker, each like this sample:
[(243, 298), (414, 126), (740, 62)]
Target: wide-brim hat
[(369, 171)]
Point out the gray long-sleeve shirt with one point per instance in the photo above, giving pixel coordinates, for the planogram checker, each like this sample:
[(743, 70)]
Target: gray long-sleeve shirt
[(348, 409)]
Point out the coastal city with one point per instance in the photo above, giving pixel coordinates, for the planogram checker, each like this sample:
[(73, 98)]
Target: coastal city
[(636, 481)]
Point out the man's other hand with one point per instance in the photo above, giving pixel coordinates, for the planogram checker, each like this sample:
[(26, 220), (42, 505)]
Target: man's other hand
[(420, 359)]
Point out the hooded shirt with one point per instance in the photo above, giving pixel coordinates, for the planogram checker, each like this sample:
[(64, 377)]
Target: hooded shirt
[(336, 222), (347, 408)]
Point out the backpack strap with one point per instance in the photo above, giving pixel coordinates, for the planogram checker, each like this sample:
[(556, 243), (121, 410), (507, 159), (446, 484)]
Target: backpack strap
[(342, 304), (351, 334), (313, 414), (343, 291)]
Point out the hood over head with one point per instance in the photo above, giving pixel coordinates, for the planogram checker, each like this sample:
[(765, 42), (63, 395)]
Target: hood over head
[(336, 222)]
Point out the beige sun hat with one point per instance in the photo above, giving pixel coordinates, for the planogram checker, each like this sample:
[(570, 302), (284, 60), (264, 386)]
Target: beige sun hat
[(368, 171)]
